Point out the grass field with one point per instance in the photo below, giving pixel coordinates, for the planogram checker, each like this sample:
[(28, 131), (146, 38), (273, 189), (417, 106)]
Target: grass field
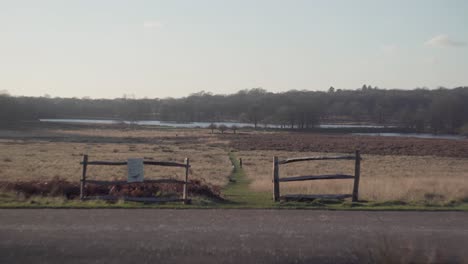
[(42, 160), (385, 178)]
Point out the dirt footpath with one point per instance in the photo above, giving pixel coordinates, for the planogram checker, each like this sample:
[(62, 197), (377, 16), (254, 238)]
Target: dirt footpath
[(231, 236)]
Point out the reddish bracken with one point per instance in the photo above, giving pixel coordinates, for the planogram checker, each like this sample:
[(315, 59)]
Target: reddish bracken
[(309, 142), (71, 190)]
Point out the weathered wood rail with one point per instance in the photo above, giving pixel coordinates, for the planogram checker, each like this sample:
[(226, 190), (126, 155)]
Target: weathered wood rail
[(146, 162), (84, 181), (277, 179)]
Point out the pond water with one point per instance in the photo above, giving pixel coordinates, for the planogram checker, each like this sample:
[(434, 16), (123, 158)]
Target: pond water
[(151, 123), (190, 124), (238, 124)]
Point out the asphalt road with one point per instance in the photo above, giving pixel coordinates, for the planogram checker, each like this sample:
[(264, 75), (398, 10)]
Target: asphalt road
[(231, 236)]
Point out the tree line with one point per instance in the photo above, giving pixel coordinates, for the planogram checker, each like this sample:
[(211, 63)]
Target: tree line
[(440, 111)]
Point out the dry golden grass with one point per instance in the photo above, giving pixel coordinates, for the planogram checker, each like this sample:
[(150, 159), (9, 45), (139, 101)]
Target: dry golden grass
[(383, 178), (44, 160), (407, 178)]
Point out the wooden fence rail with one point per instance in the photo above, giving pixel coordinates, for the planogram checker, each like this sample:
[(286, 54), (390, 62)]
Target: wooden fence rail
[(356, 177), (146, 162), (85, 181), (126, 182), (291, 160)]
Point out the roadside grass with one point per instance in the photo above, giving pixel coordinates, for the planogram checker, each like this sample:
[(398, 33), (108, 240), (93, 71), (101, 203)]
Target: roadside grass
[(411, 179), (238, 194), (10, 201), (44, 161)]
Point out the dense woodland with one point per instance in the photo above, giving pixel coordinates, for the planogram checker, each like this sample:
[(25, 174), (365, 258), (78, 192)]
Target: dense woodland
[(439, 111)]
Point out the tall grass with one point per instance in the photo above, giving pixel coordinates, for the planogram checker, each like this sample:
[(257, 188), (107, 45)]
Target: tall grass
[(383, 178), (46, 160)]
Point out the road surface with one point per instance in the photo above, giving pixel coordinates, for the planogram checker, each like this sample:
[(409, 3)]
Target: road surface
[(230, 236)]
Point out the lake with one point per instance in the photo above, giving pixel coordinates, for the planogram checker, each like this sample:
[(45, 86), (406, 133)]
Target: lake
[(239, 124), (190, 124), (150, 123)]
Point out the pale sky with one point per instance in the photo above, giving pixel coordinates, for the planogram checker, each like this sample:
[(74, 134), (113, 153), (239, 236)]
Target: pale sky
[(104, 49)]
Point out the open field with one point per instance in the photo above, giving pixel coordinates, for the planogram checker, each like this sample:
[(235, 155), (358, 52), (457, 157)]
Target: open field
[(391, 170), (44, 160), (383, 178)]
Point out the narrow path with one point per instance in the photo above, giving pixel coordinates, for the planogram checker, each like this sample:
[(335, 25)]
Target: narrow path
[(238, 190)]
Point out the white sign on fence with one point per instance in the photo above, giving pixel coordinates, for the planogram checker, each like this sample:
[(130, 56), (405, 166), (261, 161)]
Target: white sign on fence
[(135, 170)]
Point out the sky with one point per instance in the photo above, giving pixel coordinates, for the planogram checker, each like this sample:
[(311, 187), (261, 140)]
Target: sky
[(158, 49)]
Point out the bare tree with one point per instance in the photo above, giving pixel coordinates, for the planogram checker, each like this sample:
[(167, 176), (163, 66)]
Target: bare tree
[(212, 126), (234, 128), (222, 128)]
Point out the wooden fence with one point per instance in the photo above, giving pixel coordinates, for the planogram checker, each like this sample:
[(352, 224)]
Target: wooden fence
[(277, 179), (84, 181)]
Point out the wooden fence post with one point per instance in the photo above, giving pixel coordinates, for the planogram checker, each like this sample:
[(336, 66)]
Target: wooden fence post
[(187, 167), (276, 189), (83, 178), (357, 175), (240, 163)]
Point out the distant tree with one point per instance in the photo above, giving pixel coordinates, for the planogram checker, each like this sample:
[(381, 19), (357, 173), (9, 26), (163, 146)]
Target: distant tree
[(253, 114), (212, 126), (331, 89), (234, 128), (282, 115), (243, 117), (366, 87), (441, 110), (267, 121), (419, 120), (222, 128)]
